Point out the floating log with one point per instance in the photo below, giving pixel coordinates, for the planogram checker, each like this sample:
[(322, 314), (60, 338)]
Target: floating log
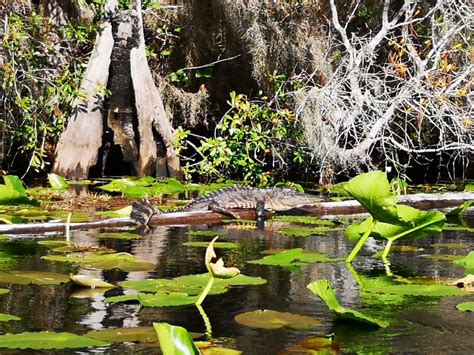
[(421, 201)]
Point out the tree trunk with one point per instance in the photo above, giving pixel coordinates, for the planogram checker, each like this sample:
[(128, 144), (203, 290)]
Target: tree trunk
[(136, 128), (78, 149), (150, 111)]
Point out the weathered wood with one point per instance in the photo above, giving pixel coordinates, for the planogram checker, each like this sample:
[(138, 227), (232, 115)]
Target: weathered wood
[(422, 201), (150, 110), (79, 146)]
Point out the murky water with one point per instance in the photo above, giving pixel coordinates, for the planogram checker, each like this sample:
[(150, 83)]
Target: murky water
[(423, 325)]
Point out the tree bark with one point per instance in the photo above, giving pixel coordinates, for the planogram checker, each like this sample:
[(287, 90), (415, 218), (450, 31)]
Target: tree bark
[(79, 146), (150, 111)]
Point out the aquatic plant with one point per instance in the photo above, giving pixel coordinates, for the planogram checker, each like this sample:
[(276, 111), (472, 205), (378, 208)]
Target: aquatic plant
[(387, 219), (175, 340)]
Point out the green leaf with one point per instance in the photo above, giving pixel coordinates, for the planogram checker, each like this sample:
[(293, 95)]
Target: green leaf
[(373, 192), (304, 232), (159, 299), (466, 307), (48, 340), (206, 234), (123, 261), (13, 192), (125, 335), (175, 340), (323, 289), (7, 317), (293, 259), (32, 277), (57, 182), (191, 284), (268, 319), (118, 235), (467, 262), (460, 209), (123, 212), (4, 291), (304, 220), (218, 245)]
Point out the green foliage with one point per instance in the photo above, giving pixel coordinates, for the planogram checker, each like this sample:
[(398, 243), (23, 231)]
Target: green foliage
[(268, 319), (323, 289), (467, 262), (48, 340), (32, 278), (465, 307), (7, 317), (13, 192), (38, 85), (255, 141), (387, 219), (175, 340)]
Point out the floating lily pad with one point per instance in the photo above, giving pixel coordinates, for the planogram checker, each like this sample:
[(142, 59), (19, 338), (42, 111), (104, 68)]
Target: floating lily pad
[(122, 235), (84, 248), (48, 340), (304, 232), (218, 245), (4, 237), (4, 291), (7, 318), (323, 289), (467, 262), (268, 319), (123, 261), (123, 212), (122, 335), (88, 281), (419, 290), (191, 284), (406, 248), (52, 243), (315, 345), (293, 259), (465, 307), (206, 234), (32, 277), (159, 299), (304, 220)]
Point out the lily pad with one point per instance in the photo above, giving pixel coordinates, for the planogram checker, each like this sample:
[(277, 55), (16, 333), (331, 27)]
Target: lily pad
[(92, 282), (323, 289), (218, 245), (315, 345), (293, 259), (467, 262), (191, 284), (122, 235), (466, 307), (123, 261), (48, 340), (4, 237), (268, 319), (4, 291), (304, 232), (122, 335), (304, 220), (123, 212), (53, 243), (32, 277), (13, 192), (159, 299), (7, 317), (206, 234)]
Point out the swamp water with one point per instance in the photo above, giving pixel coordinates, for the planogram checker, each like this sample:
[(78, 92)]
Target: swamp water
[(417, 324)]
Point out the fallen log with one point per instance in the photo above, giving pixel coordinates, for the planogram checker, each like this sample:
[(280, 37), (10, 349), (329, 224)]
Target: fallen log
[(421, 201)]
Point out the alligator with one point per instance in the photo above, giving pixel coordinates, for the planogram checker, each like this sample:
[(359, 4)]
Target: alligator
[(235, 197)]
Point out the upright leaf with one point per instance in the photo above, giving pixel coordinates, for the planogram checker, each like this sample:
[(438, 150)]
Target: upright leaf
[(175, 340)]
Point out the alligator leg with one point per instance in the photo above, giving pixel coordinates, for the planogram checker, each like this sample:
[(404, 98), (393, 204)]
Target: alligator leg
[(214, 207), (142, 211)]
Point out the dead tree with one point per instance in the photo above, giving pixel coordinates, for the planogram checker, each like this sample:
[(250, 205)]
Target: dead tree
[(120, 109)]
